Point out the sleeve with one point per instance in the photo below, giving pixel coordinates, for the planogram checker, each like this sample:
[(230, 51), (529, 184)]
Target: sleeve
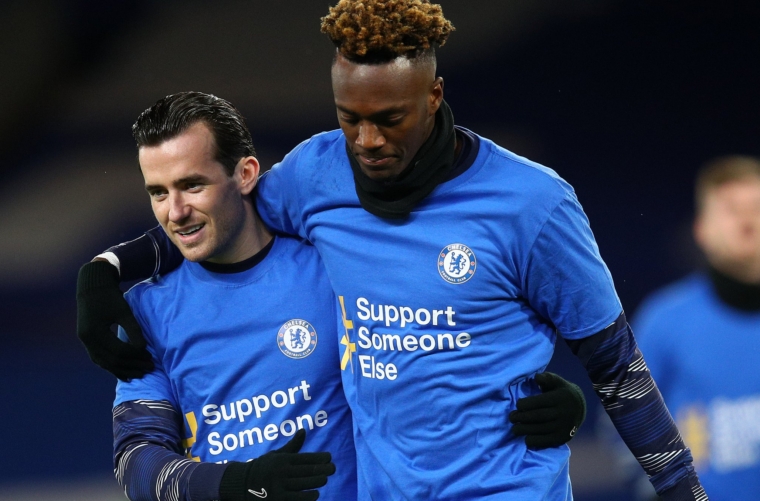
[(148, 460), (149, 255), (564, 277), (277, 195), (630, 397)]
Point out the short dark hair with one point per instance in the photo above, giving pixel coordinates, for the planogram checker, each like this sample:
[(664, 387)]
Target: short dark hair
[(722, 170), (175, 113), (379, 31)]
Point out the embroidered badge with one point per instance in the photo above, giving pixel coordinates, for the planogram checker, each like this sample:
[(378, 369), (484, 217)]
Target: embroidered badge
[(456, 263)]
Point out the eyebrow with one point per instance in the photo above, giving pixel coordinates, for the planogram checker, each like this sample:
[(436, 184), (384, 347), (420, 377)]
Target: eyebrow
[(195, 178), (378, 114)]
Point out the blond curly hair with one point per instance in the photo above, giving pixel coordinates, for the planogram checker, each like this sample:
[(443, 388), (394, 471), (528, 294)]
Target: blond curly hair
[(382, 30)]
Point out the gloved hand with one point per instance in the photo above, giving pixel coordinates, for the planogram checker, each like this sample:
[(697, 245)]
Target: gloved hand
[(280, 475), (100, 303), (551, 418)]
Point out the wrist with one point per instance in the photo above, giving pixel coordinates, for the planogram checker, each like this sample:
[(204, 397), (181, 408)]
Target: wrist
[(205, 481), (96, 275), (233, 482)]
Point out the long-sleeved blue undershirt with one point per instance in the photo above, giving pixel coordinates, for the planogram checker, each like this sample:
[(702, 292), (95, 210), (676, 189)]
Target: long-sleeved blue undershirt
[(611, 358), (148, 456)]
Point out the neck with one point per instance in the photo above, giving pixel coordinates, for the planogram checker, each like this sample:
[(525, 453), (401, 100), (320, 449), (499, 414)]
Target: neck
[(252, 236), (735, 293)]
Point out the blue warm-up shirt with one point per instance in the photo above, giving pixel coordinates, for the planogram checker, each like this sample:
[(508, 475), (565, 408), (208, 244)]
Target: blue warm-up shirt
[(248, 358), (704, 355), (448, 314)]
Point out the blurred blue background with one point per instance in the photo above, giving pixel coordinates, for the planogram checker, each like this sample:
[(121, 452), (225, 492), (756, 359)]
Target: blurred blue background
[(625, 99)]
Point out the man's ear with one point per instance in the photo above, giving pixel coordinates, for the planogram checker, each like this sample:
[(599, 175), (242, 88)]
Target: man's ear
[(247, 172), (436, 96)]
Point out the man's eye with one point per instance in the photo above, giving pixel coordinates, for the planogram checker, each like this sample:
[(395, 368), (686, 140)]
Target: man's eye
[(194, 186), (348, 120), (157, 194)]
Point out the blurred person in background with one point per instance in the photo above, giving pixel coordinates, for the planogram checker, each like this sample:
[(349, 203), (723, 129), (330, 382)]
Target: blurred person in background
[(701, 335)]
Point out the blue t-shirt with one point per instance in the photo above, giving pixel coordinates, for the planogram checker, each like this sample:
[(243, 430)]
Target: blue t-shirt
[(447, 315), (704, 356), (248, 358)]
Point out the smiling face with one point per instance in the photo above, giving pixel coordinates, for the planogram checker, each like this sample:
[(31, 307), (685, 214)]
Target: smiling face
[(205, 212), (386, 111)]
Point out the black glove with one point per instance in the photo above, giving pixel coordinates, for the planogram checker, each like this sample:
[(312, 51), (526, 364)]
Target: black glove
[(100, 304), (280, 475), (551, 418)]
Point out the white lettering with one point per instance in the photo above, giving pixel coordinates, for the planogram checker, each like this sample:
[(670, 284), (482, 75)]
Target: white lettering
[(410, 343), (270, 431), (361, 304), (423, 345), (234, 440), (463, 340), (364, 341), (418, 316), (448, 336), (243, 413), (260, 407), (407, 315), (216, 445), (208, 411), (388, 340), (388, 319), (291, 425), (320, 419), (249, 434), (279, 399)]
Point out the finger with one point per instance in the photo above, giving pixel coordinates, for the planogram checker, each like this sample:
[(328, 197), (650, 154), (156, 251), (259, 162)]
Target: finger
[(549, 381), (533, 402), (295, 443), (310, 470), (301, 496), (311, 458), (129, 323), (304, 483), (533, 429), (537, 442), (542, 415)]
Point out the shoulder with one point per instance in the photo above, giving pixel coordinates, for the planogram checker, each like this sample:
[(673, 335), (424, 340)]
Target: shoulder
[(677, 296), (670, 304), (527, 173), (318, 146), (144, 295)]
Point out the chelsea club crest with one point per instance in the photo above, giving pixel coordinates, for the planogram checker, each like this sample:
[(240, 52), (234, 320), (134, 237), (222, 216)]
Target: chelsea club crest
[(297, 338), (456, 263)]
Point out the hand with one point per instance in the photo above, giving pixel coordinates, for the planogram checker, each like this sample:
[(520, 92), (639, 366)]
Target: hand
[(100, 303), (280, 475), (551, 418)]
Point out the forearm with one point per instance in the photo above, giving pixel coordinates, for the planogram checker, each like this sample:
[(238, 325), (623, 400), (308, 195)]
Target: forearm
[(148, 463), (630, 396), (150, 254)]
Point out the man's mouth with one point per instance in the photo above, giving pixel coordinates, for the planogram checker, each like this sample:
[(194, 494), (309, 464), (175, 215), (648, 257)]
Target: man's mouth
[(375, 161), (190, 230)]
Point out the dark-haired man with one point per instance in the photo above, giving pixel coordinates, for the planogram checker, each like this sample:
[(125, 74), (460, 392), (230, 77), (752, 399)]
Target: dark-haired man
[(455, 263), (208, 395)]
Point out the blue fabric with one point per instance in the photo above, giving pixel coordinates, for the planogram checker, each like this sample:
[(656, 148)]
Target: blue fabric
[(448, 315), (248, 357), (704, 356)]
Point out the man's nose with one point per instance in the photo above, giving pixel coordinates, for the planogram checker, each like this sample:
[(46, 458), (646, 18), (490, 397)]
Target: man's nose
[(370, 137), (178, 208)]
